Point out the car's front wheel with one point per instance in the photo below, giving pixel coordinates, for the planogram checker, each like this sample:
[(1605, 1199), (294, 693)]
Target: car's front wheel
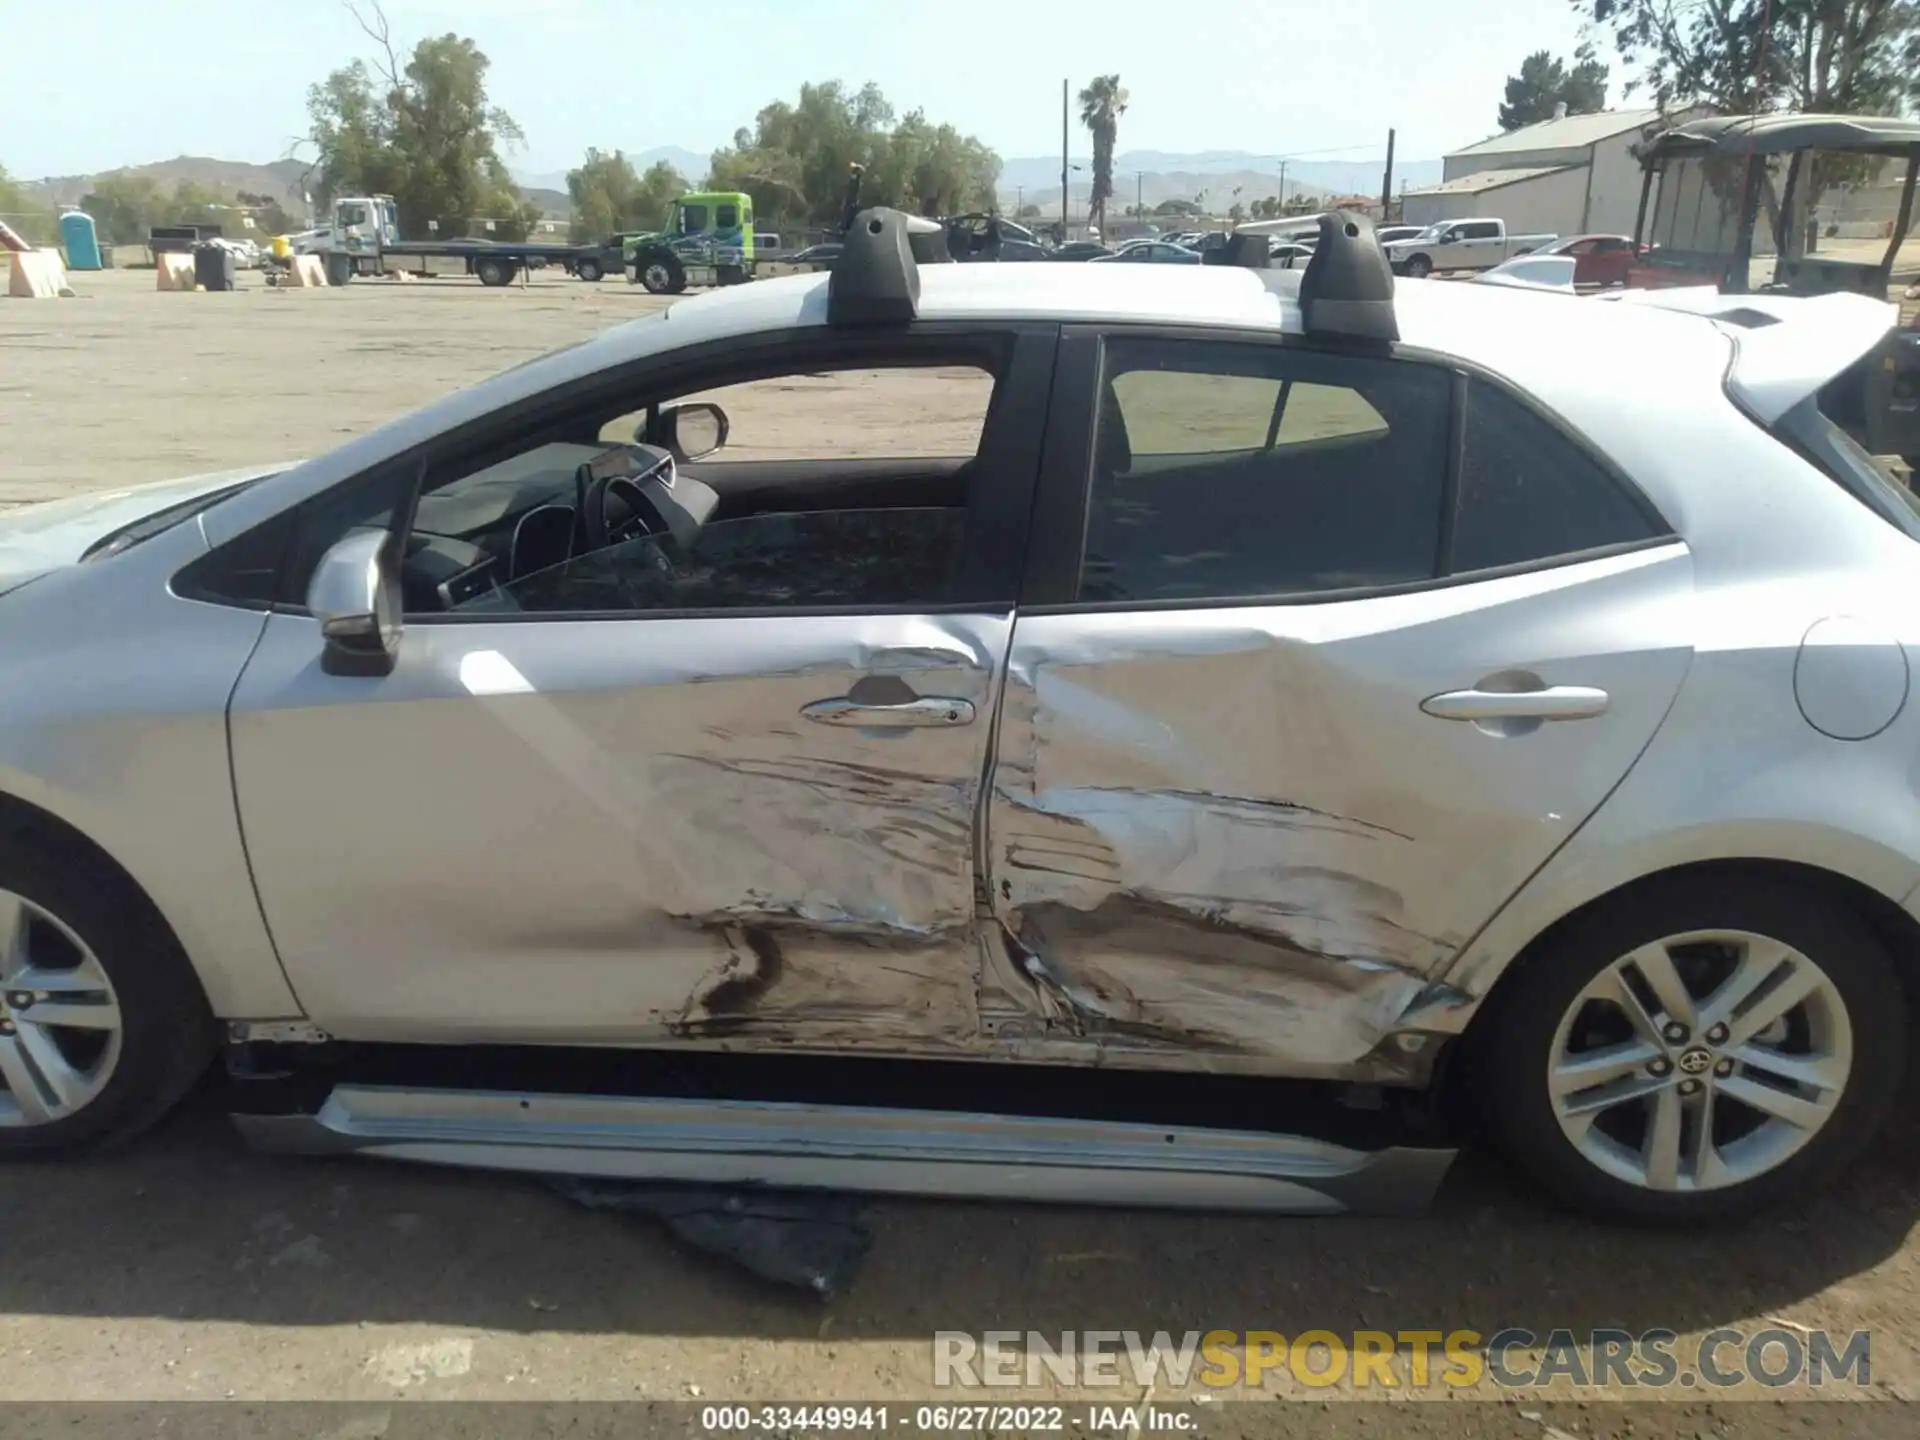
[(1418, 268), (102, 1024), (1694, 1050)]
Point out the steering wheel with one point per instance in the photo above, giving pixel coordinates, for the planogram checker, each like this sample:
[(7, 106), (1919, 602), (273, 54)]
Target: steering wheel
[(643, 516)]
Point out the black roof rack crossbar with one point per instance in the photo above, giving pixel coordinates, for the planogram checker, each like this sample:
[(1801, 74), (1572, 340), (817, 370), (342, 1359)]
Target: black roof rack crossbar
[(1347, 288), (875, 279)]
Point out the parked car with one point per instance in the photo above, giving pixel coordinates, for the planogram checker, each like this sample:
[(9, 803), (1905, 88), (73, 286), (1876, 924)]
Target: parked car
[(1507, 728), (1288, 254), (1598, 259), (1386, 233), (1150, 252), (1079, 250), (1460, 245), (990, 237)]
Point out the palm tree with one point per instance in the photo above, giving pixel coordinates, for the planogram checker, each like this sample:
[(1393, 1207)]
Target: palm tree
[(1101, 105)]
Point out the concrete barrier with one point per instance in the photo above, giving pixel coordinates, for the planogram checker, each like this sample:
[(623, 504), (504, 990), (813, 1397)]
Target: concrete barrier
[(306, 272), (37, 275), (173, 271)]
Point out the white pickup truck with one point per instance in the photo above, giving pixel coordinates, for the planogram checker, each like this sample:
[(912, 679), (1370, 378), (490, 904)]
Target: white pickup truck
[(1460, 245)]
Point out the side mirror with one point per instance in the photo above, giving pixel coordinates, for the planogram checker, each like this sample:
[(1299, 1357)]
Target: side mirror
[(691, 432), (355, 595)]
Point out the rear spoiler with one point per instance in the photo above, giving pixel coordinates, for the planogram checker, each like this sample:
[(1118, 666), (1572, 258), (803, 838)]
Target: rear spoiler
[(1786, 347)]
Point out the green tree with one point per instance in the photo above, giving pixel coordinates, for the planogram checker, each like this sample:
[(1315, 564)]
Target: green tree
[(609, 196), (32, 221), (1855, 57), (1545, 82), (424, 133), (1101, 105), (793, 160)]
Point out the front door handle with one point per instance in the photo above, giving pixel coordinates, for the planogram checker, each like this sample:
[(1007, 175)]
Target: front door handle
[(920, 713), (1555, 702)]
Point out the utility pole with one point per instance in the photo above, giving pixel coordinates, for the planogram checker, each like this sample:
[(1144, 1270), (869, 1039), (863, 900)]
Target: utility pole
[(1064, 133), (1386, 185), (1139, 195), (1283, 184)]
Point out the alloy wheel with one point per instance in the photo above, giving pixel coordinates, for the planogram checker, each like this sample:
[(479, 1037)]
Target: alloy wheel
[(1700, 1061), (60, 1024)]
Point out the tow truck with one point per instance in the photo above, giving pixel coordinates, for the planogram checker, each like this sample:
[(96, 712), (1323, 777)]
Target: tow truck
[(1704, 187), (364, 239), (708, 240)]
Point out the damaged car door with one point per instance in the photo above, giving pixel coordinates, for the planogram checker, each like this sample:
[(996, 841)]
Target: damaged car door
[(1320, 656), (716, 781)]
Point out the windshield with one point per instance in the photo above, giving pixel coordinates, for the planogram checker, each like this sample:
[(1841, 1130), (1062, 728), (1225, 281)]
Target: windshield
[(148, 526), (1827, 204)]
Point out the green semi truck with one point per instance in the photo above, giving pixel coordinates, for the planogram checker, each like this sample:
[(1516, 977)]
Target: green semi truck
[(708, 241)]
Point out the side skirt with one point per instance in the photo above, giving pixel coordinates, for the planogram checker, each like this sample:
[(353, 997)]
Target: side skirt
[(846, 1147)]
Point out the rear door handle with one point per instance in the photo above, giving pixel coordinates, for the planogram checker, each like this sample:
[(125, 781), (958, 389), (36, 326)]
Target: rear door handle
[(1555, 702), (920, 713)]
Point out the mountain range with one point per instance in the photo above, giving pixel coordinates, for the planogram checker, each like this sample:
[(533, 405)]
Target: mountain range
[(1141, 176), (1151, 175)]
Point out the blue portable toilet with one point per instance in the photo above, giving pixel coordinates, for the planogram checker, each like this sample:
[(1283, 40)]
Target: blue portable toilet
[(79, 239)]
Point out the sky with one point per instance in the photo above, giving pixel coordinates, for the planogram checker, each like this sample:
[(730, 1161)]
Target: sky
[(150, 81)]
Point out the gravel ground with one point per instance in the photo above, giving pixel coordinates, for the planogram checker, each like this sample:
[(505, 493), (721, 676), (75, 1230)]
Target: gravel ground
[(186, 1269)]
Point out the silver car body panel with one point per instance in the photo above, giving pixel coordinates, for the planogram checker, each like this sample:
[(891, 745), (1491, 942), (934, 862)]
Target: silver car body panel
[(113, 696), (538, 829), (1001, 1157), (623, 830)]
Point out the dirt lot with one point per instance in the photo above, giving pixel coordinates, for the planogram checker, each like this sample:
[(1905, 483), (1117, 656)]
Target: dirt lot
[(185, 1268)]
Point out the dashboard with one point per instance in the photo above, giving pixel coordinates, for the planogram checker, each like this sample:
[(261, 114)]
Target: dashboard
[(538, 509)]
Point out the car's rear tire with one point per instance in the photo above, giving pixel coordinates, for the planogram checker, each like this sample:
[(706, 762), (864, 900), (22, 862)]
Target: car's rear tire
[(1594, 1079), (493, 271), (103, 1025), (589, 271)]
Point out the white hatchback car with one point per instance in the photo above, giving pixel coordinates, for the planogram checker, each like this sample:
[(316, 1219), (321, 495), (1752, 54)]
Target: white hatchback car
[(1409, 691)]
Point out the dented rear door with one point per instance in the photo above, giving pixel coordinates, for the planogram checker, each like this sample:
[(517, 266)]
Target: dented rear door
[(1285, 720)]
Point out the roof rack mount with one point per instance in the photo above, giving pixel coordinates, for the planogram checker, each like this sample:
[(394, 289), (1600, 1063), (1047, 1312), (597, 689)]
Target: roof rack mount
[(1346, 291), (875, 279)]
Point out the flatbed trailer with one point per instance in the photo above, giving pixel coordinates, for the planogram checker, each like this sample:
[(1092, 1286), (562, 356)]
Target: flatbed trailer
[(364, 239)]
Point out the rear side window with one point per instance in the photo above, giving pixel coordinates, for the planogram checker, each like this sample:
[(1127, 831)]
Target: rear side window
[(1233, 471), (1837, 455), (1528, 493)]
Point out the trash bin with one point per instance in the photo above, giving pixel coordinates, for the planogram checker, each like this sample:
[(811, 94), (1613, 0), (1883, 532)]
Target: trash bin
[(80, 240), (213, 267)]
